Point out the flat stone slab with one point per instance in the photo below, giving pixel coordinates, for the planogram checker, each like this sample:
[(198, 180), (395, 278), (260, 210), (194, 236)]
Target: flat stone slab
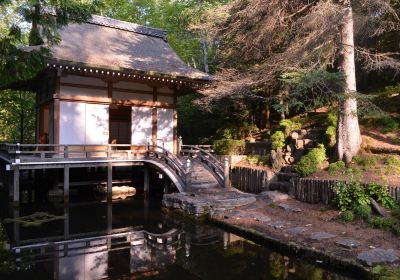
[(377, 256), (251, 207), (296, 230), (348, 243), (321, 235), (274, 196), (252, 216), (289, 208), (206, 203), (278, 225)]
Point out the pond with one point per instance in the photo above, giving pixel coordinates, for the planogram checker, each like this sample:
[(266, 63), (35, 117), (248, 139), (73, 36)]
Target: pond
[(134, 239)]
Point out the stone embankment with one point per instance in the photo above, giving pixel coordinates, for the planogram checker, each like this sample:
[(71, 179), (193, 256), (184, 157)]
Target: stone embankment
[(309, 231)]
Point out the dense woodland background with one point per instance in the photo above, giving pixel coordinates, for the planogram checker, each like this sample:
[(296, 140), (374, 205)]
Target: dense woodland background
[(223, 38)]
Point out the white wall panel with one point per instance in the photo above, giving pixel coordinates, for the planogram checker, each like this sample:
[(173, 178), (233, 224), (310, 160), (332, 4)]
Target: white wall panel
[(74, 79), (96, 124), (74, 91), (133, 86), (141, 125), (132, 96), (165, 128), (72, 123)]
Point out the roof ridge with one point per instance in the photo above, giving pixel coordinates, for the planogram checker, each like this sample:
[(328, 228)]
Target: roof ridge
[(127, 26), (120, 24)]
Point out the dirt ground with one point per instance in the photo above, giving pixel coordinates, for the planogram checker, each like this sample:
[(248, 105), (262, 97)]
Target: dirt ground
[(315, 218)]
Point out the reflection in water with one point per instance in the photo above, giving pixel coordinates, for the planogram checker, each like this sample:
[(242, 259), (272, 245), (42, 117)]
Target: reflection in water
[(133, 239)]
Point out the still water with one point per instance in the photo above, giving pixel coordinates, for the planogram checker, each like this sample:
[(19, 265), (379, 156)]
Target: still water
[(133, 239)]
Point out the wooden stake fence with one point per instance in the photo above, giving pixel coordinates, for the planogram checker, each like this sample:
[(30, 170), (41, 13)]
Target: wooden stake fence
[(249, 180)]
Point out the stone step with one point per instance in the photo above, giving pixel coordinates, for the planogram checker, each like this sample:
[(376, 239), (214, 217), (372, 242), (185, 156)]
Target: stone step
[(287, 177), (205, 185), (285, 187)]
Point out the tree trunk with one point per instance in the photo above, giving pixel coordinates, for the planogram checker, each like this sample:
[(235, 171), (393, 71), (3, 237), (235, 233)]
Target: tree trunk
[(348, 130), (205, 55)]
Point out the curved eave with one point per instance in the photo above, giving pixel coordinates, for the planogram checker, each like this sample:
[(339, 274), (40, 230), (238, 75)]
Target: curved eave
[(127, 73)]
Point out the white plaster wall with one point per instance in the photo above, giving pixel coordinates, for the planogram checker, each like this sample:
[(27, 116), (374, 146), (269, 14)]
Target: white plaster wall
[(82, 123), (84, 266), (97, 124), (133, 86), (141, 125), (72, 123), (74, 91), (165, 128), (131, 95)]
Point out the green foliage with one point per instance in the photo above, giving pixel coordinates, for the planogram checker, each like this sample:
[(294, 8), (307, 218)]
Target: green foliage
[(330, 134), (392, 160), (366, 161), (309, 163), (278, 140), (312, 89), (392, 224), (332, 119), (18, 65), (17, 121), (258, 159), (229, 147), (349, 195), (381, 194), (335, 167), (347, 216), (363, 211), (287, 126), (381, 272), (384, 122)]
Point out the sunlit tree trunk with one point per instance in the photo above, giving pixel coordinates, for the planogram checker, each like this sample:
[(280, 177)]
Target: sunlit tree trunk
[(348, 130)]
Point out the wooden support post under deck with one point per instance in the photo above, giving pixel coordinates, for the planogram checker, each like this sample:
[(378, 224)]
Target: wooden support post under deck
[(66, 183), (227, 181), (109, 181), (16, 186), (146, 183)]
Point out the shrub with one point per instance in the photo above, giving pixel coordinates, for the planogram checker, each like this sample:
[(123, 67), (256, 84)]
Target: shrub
[(366, 161), (388, 124), (381, 194), (257, 159), (392, 160), (349, 195), (229, 147), (363, 211), (278, 140), (288, 126), (309, 163), (330, 134), (336, 166), (332, 119), (347, 216)]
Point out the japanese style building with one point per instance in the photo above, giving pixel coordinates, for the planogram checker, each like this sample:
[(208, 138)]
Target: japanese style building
[(110, 81), (107, 98)]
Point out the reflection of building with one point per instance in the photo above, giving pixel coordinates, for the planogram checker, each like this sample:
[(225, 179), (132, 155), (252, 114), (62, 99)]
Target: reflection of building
[(97, 257)]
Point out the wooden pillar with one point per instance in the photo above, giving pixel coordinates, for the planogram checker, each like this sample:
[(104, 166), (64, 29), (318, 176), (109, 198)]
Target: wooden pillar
[(188, 176), (146, 183), (56, 112), (109, 181), (15, 188), (175, 127), (66, 223), (109, 218), (146, 210), (66, 183), (154, 120), (227, 181), (16, 225)]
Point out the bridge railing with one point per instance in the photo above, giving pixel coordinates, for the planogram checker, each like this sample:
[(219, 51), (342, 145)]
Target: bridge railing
[(205, 156), (53, 153)]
